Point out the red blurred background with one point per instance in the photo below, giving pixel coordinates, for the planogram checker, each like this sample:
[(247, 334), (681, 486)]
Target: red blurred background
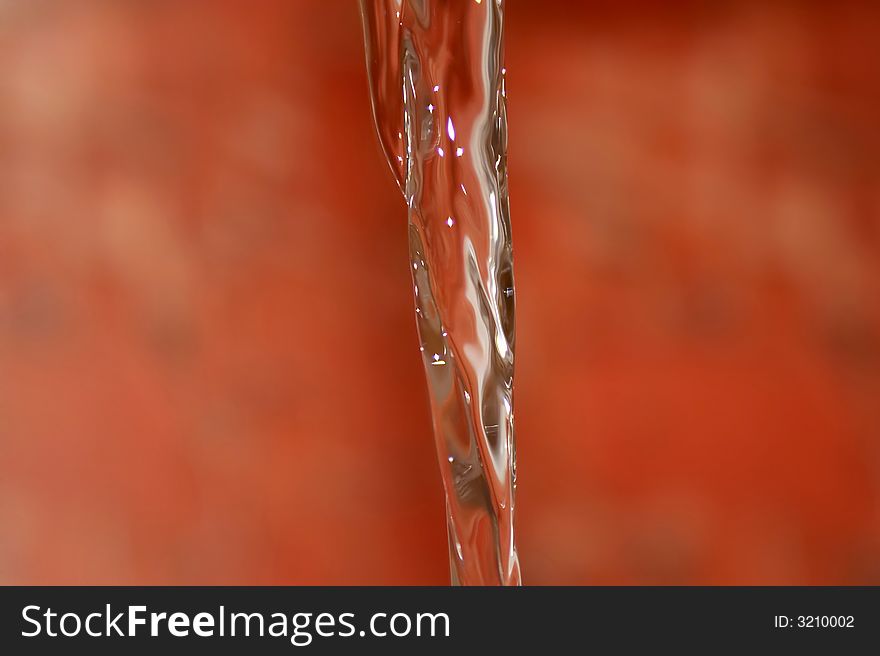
[(209, 362)]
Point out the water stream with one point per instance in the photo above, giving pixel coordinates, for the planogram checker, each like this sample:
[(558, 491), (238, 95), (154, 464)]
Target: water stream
[(437, 88)]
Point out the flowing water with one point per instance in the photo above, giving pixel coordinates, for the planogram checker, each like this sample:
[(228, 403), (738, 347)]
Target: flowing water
[(437, 87)]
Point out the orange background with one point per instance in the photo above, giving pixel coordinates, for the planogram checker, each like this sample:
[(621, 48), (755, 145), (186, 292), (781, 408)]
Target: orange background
[(208, 363)]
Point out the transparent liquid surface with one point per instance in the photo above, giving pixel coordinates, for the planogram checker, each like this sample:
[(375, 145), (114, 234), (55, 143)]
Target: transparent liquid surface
[(437, 87)]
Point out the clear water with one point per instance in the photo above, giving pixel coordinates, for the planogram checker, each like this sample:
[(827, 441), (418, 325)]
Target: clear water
[(437, 87)]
